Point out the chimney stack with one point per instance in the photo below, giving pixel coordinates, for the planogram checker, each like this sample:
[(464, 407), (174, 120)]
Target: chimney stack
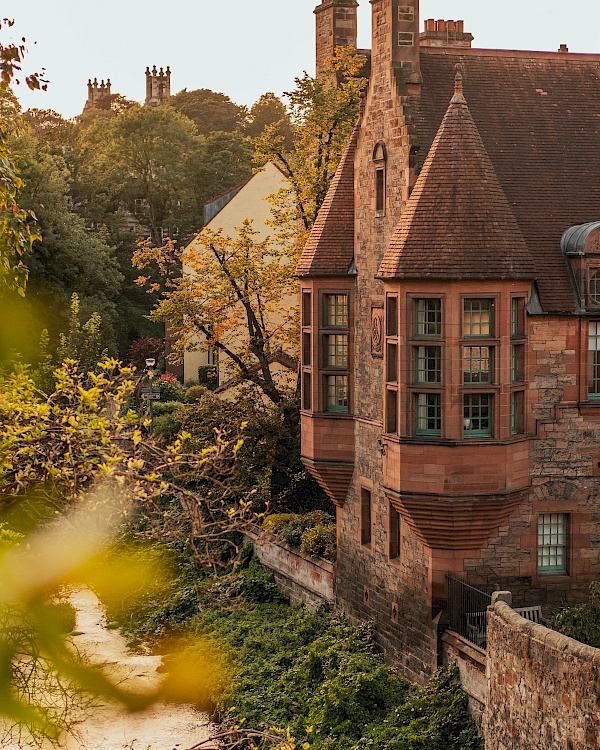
[(396, 38), (445, 34), (336, 27)]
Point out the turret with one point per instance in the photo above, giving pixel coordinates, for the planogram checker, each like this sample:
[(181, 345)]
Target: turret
[(158, 86)]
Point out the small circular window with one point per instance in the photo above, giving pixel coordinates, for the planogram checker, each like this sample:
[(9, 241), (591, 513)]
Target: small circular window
[(595, 287)]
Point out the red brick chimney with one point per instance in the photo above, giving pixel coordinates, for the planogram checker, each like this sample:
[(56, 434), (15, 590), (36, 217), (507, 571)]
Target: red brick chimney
[(336, 27), (396, 37), (445, 34)]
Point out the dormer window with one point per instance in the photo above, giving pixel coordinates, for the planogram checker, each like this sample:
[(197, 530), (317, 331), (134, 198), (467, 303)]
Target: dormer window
[(380, 162)]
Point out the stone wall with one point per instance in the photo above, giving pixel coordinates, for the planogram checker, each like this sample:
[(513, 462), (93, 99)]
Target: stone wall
[(471, 662), (299, 577), (544, 688)]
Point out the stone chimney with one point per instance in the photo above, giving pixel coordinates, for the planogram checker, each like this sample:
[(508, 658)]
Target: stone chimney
[(336, 27), (445, 34), (396, 38), (158, 86)]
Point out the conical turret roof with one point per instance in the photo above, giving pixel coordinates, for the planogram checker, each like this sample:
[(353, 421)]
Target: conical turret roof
[(458, 223)]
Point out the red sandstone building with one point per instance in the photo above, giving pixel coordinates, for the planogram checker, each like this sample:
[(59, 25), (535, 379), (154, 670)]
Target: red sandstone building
[(451, 327)]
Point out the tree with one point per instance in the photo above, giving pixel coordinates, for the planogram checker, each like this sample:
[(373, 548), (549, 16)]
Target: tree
[(324, 114), (16, 233), (234, 295), (267, 111), (209, 110)]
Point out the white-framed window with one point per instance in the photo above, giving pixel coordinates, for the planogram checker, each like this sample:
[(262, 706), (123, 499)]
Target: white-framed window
[(553, 543)]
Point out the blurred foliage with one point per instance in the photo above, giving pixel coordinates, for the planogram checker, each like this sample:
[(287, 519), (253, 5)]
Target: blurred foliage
[(579, 621)]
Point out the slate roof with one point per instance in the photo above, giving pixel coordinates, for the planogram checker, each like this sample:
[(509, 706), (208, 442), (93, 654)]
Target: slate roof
[(457, 223), (539, 118), (329, 250)]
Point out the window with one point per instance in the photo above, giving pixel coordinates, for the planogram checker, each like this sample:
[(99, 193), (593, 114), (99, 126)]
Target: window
[(518, 364), (380, 160), (406, 39), (391, 412), (365, 517), (478, 317), (336, 393), (428, 414), (477, 415), (391, 316), (477, 365), (306, 348), (395, 528), (306, 308), (213, 356), (392, 363), (428, 317), (595, 287), (552, 543), (336, 310), (406, 13), (594, 360), (336, 350), (429, 364), (518, 316), (306, 391), (380, 190), (517, 413)]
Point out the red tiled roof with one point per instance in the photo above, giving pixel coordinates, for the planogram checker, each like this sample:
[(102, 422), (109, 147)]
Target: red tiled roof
[(457, 223), (329, 250), (538, 115)]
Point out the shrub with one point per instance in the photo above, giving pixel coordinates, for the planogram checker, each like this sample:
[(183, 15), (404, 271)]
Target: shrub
[(320, 541), (161, 408), (276, 521), (170, 388), (580, 621), (195, 393)]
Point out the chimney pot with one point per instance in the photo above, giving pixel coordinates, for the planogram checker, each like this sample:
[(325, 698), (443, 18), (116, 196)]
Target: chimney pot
[(451, 26), (563, 48), (430, 24), (440, 25), (460, 27)]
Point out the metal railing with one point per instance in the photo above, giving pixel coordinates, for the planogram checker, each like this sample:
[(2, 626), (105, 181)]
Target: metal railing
[(467, 610)]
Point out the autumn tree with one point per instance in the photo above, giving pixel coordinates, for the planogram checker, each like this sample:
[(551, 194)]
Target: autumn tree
[(323, 110), (270, 111), (235, 295), (17, 232)]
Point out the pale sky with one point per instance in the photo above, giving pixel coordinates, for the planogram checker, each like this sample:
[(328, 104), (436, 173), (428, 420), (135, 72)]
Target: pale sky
[(239, 47)]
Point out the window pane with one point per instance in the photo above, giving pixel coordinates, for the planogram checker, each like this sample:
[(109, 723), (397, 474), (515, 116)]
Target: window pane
[(306, 308), (391, 412), (552, 543), (429, 317), (306, 349), (594, 360), (306, 391), (336, 310), (336, 350), (336, 390), (392, 363), (391, 316), (595, 288), (429, 364), (518, 364), (429, 413), (477, 317), (477, 414), (518, 316), (380, 190), (477, 364)]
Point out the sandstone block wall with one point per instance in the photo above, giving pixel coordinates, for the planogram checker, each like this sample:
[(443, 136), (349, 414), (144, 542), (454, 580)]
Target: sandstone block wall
[(543, 688), (299, 577)]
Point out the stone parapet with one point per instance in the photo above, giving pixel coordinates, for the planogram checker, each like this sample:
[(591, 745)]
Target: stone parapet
[(543, 687)]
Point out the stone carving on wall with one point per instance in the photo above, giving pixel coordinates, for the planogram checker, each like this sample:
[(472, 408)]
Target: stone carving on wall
[(377, 331)]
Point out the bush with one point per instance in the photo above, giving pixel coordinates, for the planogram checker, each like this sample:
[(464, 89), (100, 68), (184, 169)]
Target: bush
[(161, 408), (195, 393), (580, 621), (276, 521), (320, 541), (170, 388)]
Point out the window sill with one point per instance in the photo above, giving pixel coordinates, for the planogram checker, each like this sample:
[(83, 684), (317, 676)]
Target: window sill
[(452, 443)]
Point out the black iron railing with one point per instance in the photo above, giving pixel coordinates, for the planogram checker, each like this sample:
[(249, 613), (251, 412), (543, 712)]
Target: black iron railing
[(467, 609)]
